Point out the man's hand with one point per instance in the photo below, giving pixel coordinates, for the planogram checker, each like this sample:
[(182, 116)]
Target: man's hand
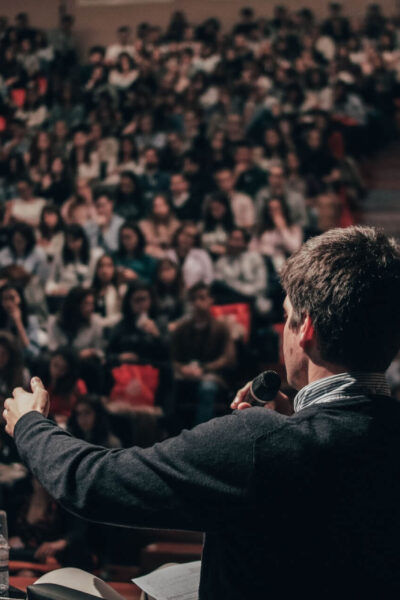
[(24, 402), (280, 403)]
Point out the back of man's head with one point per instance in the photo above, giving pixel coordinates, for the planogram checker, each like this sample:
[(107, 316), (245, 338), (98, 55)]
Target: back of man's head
[(348, 281)]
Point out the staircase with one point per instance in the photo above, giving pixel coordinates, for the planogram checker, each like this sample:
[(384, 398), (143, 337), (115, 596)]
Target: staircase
[(381, 207)]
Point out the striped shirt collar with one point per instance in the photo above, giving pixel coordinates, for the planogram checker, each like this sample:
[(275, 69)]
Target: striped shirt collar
[(343, 386)]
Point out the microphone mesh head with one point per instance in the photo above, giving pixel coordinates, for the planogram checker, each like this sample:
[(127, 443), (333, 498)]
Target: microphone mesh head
[(265, 386)]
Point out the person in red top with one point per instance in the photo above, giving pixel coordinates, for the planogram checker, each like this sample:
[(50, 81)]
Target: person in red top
[(64, 385)]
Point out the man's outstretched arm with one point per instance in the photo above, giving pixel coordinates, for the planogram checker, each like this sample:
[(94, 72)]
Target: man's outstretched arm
[(198, 480)]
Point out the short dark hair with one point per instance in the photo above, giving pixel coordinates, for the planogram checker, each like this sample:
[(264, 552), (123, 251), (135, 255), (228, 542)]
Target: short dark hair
[(97, 50), (246, 235), (348, 281), (200, 286)]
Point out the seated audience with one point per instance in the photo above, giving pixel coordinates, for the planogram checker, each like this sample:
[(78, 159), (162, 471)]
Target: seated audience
[(240, 275), (131, 259), (63, 384), (128, 198), (168, 288), (23, 251), (185, 205), (89, 421), (107, 292), (195, 262), (137, 337), (75, 265), (103, 231), (277, 237), (241, 204), (76, 325), (15, 318), (160, 226), (202, 352), (51, 232), (13, 373), (25, 208), (40, 529), (217, 224)]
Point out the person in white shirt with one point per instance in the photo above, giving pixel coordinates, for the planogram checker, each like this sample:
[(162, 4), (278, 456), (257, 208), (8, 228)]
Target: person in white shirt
[(122, 45), (25, 208), (195, 262), (124, 74), (76, 264), (241, 275), (241, 204), (278, 237)]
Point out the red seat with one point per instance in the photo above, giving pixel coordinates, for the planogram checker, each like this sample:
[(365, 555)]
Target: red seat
[(240, 311), (39, 568), (135, 384), (158, 553), (18, 96)]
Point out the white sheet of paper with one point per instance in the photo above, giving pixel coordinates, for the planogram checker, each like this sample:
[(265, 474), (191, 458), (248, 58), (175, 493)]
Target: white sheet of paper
[(79, 580), (178, 582)]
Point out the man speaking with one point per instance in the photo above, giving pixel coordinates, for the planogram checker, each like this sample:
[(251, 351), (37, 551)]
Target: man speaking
[(300, 505)]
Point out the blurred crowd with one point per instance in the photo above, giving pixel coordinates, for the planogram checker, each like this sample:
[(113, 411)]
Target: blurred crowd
[(150, 194)]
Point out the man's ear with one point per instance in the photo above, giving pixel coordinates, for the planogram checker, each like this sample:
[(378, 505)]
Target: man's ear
[(307, 332)]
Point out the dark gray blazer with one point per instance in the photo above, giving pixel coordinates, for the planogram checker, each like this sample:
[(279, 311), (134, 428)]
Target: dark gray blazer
[(305, 505)]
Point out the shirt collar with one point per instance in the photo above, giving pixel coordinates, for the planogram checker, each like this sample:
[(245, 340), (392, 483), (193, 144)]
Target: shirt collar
[(343, 386)]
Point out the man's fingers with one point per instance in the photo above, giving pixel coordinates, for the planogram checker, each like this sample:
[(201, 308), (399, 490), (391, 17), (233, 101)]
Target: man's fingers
[(39, 392), (37, 385), (243, 406), (240, 396), (16, 391)]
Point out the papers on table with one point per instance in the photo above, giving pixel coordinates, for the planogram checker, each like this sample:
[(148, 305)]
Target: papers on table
[(177, 582)]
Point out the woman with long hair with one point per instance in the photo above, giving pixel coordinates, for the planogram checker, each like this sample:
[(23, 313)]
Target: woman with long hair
[(195, 262), (218, 222), (23, 251), (137, 337), (15, 319), (89, 421), (278, 237), (83, 161), (51, 231), (131, 257), (63, 383), (124, 74), (40, 157), (159, 227), (75, 265), (12, 371), (127, 160), (106, 290), (57, 185), (76, 325), (168, 287)]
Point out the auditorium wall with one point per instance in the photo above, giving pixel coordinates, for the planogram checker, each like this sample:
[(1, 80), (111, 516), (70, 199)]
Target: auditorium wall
[(97, 24)]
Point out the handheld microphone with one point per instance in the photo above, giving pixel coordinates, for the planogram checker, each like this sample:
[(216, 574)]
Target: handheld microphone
[(263, 388)]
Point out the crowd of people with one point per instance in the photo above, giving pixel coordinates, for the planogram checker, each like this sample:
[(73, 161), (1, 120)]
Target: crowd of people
[(158, 179)]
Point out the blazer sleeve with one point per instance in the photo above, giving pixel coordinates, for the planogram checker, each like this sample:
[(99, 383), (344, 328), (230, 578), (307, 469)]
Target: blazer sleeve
[(197, 480)]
